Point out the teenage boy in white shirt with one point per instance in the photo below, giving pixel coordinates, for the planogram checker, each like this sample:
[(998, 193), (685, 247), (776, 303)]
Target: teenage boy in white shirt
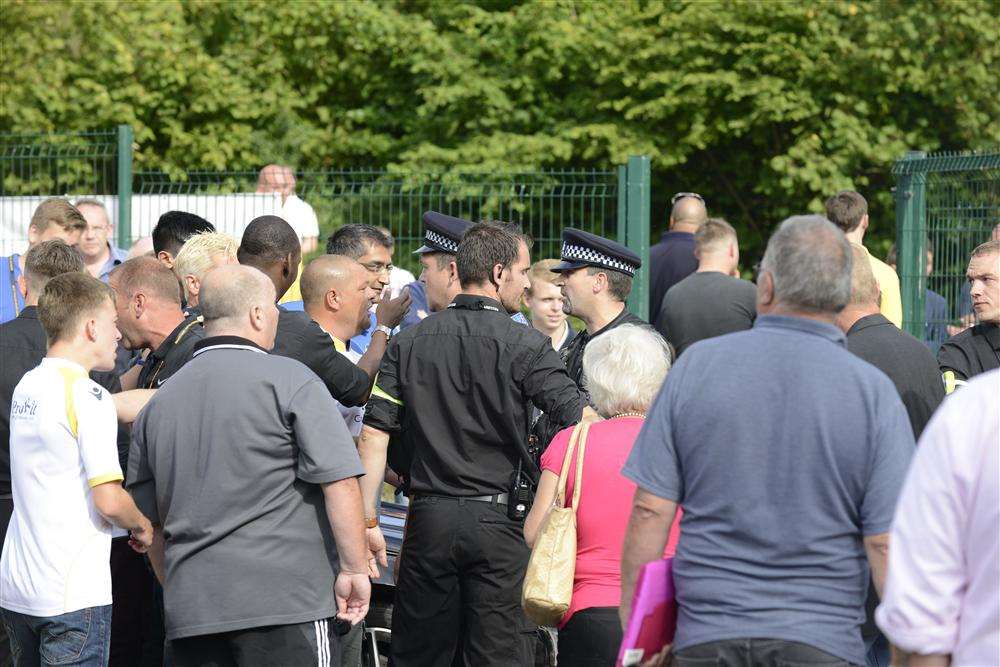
[(55, 578)]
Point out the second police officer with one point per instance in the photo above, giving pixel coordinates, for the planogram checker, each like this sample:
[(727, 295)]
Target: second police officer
[(460, 384)]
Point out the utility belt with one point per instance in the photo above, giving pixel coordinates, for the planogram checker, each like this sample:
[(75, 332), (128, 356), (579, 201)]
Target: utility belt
[(495, 499)]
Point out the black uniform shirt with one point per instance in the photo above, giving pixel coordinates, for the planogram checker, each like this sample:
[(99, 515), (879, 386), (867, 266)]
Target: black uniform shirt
[(22, 347), (573, 353), (460, 385), (974, 351), (908, 363), (175, 351), (302, 339)]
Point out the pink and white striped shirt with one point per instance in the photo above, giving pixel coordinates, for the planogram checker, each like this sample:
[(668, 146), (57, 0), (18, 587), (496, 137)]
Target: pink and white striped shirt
[(943, 588)]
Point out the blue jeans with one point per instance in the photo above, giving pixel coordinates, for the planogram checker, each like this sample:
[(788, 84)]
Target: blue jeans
[(81, 637)]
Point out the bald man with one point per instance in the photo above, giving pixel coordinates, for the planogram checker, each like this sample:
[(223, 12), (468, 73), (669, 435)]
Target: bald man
[(909, 364), (243, 460), (673, 258), (300, 215)]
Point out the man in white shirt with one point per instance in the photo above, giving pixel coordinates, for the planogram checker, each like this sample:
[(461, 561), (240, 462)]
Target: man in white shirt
[(55, 578), (297, 213), (941, 603)]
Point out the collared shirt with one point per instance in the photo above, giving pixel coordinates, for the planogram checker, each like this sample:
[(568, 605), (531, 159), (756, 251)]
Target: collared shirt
[(175, 351), (305, 341), (944, 559), (229, 456), (22, 347), (784, 450), (907, 362), (11, 299), (460, 386), (969, 353), (116, 257), (572, 354), (670, 261)]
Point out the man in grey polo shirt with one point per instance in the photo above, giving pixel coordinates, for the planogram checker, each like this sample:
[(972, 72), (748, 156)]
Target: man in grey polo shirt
[(787, 454), (244, 461)]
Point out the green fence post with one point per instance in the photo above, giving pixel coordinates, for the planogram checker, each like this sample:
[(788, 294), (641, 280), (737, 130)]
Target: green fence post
[(911, 243), (125, 139), (637, 229)]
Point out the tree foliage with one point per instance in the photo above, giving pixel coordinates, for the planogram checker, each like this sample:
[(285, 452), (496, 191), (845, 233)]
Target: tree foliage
[(764, 107)]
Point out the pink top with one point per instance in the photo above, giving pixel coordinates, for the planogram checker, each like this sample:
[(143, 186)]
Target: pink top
[(605, 506), (943, 589)]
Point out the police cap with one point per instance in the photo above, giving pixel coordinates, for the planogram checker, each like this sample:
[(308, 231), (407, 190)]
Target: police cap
[(582, 248), (442, 233)]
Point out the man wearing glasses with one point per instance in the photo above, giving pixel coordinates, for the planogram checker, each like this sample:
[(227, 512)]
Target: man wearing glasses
[(672, 259), (98, 253)]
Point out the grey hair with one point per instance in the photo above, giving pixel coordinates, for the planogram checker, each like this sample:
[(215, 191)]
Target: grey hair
[(810, 261), (230, 292), (625, 368)]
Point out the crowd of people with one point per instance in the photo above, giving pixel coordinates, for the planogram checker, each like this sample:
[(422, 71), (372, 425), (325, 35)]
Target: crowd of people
[(197, 435)]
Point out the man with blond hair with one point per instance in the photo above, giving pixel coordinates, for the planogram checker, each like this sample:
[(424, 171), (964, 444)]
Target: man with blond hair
[(849, 211), (713, 300), (55, 218), (545, 303), (200, 254)]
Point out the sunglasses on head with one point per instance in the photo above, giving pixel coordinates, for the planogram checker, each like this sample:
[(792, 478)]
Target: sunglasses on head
[(682, 195)]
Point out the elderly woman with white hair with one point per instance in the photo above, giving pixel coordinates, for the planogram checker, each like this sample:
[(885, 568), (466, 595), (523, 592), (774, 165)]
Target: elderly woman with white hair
[(625, 369)]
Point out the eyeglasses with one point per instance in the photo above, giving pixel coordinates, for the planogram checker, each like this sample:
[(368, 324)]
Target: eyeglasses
[(377, 267), (682, 195)]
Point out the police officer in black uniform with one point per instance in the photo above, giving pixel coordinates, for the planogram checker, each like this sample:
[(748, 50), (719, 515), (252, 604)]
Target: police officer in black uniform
[(977, 349), (596, 280), (461, 384)]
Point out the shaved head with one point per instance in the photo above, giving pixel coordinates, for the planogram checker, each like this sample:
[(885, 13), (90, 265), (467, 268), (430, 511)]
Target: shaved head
[(689, 210), (229, 292), (325, 273), (864, 287), (146, 275)]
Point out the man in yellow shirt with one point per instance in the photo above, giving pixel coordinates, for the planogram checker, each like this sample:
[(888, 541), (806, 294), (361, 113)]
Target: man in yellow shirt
[(849, 211)]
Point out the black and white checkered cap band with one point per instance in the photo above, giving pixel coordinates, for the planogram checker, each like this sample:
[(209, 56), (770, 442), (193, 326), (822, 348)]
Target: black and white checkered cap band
[(441, 241), (579, 253)]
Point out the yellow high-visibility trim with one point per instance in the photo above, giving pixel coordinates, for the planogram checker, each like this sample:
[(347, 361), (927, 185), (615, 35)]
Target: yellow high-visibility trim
[(951, 381), (70, 376), (104, 479), (378, 391), (339, 345)]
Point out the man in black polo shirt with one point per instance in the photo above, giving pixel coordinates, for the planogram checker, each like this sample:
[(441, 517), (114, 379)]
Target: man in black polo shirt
[(270, 245), (250, 477), (912, 369), (977, 349), (596, 280), (461, 384), (148, 299)]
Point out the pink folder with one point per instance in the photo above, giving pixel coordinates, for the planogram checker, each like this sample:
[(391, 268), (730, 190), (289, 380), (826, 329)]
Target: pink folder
[(654, 614)]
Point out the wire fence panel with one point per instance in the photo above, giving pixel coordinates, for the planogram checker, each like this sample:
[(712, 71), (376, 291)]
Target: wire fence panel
[(35, 166), (543, 202), (952, 205)]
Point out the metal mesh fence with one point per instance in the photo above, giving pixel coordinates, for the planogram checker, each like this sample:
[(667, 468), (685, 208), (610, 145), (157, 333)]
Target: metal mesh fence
[(952, 204)]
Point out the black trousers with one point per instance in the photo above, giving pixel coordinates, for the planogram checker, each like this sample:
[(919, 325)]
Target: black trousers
[(458, 598), (591, 638), (752, 652), (312, 643), (136, 615), (6, 511)]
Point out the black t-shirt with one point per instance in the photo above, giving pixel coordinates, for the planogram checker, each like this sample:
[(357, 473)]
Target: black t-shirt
[(302, 339), (908, 363), (969, 353), (705, 305), (460, 385), (171, 355), (22, 347)]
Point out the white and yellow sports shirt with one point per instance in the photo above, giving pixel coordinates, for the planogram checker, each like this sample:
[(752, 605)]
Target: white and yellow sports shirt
[(63, 433)]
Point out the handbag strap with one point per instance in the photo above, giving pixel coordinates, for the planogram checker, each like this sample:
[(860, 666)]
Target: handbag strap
[(578, 482), (579, 434)]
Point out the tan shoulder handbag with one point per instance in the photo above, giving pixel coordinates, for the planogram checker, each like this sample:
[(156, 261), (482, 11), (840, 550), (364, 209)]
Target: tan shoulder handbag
[(548, 582)]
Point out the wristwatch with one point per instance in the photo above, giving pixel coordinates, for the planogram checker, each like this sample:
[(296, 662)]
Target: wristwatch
[(384, 329), (371, 523)]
